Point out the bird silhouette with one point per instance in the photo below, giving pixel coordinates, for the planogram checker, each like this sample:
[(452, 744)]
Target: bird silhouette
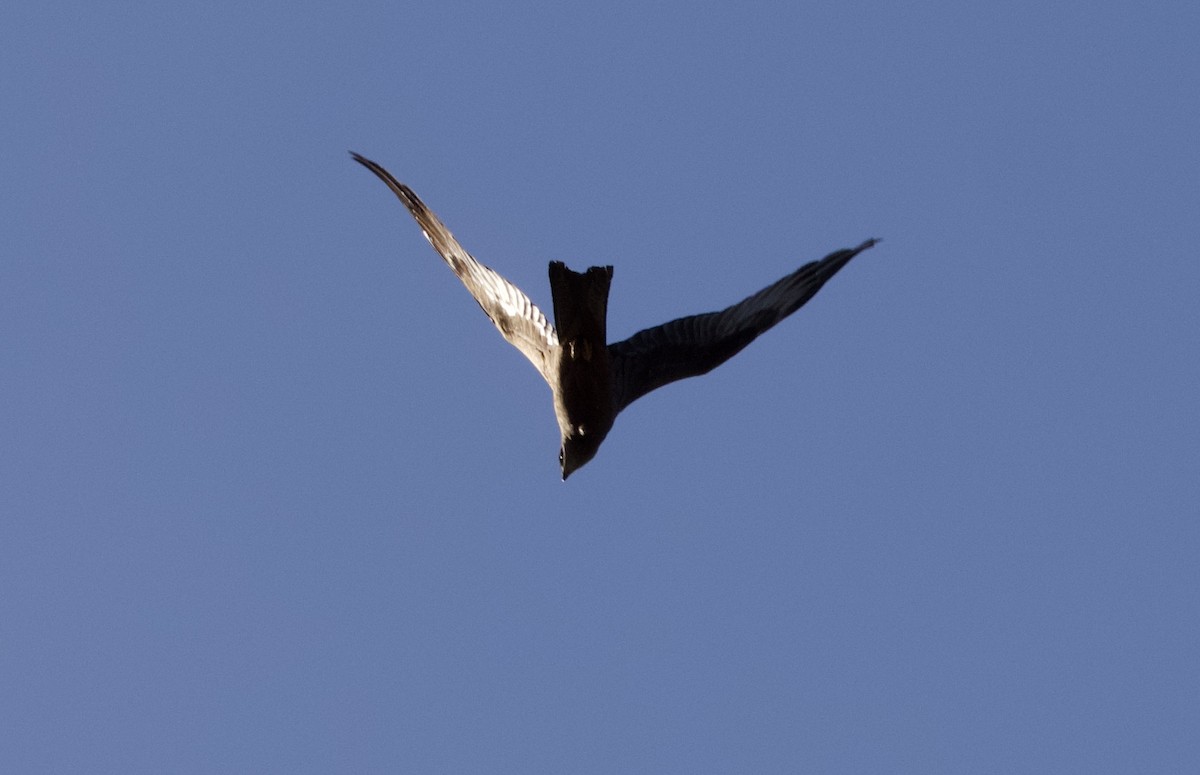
[(592, 381)]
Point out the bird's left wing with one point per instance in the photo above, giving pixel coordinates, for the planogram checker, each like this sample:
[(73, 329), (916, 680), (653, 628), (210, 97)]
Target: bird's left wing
[(519, 320), (691, 346)]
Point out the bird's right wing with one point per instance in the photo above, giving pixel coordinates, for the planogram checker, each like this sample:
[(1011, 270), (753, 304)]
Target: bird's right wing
[(519, 320), (691, 346)]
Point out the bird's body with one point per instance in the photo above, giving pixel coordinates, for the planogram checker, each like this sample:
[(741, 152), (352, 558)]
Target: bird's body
[(583, 385), (592, 381)]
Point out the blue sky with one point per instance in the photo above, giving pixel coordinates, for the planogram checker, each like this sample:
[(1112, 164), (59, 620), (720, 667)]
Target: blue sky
[(275, 497)]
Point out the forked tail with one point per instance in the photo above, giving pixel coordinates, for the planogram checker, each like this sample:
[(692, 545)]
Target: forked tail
[(580, 303)]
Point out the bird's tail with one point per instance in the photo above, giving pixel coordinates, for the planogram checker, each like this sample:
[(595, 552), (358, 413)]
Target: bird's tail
[(580, 302)]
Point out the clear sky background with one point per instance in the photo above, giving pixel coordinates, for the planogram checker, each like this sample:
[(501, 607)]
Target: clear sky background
[(276, 497)]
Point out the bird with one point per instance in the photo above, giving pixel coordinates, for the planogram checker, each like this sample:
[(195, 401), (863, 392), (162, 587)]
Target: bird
[(592, 381)]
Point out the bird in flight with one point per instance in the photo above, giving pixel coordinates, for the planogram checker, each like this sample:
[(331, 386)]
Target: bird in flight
[(592, 381)]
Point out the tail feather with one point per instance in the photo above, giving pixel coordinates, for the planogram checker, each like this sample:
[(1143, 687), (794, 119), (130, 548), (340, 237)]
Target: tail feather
[(580, 302)]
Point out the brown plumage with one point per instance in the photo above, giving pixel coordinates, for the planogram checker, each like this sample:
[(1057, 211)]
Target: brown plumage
[(590, 380)]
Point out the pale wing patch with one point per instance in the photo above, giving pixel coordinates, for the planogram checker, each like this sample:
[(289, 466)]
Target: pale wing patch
[(517, 318)]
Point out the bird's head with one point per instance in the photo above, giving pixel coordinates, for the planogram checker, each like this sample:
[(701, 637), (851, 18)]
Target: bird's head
[(577, 449)]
